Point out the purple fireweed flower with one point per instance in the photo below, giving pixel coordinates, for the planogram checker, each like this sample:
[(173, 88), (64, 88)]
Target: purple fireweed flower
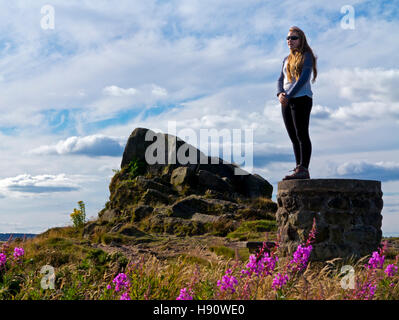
[(263, 265), (269, 263), (376, 261), (121, 282), (365, 290), (228, 282), (3, 260), (300, 258), (5, 247), (372, 289), (279, 281), (109, 287), (312, 233), (185, 294), (125, 296), (253, 266), (18, 253), (391, 270)]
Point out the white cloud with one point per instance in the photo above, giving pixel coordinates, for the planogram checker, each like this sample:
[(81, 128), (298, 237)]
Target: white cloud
[(361, 84), (94, 145), (119, 92), (367, 110), (321, 112), (383, 170), (159, 91), (354, 97), (40, 184)]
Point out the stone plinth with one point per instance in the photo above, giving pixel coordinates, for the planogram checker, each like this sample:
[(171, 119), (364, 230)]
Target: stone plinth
[(347, 212)]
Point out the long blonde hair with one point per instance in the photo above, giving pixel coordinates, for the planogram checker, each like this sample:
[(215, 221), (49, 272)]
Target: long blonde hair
[(296, 57)]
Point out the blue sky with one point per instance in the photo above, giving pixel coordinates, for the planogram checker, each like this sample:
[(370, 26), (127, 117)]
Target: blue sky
[(71, 96)]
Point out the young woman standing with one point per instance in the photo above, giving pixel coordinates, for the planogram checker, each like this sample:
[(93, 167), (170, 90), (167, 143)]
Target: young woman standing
[(296, 98)]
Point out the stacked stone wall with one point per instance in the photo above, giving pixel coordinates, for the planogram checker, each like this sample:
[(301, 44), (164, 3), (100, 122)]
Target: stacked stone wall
[(347, 213)]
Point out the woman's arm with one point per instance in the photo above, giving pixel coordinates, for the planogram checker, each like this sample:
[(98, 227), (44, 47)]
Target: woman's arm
[(304, 77), (280, 81)]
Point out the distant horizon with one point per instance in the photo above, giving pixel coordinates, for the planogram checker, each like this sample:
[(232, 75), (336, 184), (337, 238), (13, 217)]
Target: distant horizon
[(2, 233), (6, 236)]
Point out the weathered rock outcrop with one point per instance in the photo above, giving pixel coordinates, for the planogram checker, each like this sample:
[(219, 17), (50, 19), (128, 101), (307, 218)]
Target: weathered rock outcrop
[(200, 172), (198, 197), (347, 213)]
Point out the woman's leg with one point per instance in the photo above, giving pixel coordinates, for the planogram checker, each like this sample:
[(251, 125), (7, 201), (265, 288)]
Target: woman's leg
[(300, 111), (289, 125)]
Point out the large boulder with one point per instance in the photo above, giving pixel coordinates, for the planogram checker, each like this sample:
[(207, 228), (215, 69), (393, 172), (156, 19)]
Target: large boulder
[(195, 197), (162, 155)]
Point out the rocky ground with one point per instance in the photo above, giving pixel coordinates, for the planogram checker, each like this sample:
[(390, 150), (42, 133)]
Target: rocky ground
[(169, 247)]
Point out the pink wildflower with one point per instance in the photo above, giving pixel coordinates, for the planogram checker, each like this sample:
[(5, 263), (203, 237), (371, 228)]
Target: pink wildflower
[(279, 281), (367, 291), (300, 258), (391, 270), (125, 296), (121, 282), (302, 253), (185, 294), (228, 282), (263, 265), (312, 234), (18, 253), (376, 261), (3, 260)]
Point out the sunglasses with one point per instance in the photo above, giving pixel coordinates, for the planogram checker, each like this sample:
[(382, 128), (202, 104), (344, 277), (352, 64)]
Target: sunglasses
[(292, 38)]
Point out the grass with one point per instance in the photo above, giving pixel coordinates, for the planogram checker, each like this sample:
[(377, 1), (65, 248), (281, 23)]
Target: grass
[(253, 230), (228, 253), (83, 272), (190, 259), (223, 251), (151, 278), (263, 203)]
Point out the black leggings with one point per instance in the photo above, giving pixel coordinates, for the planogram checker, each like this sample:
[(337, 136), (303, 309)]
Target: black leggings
[(296, 118)]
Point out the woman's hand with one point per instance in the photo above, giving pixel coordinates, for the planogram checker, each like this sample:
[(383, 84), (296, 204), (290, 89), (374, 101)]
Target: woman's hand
[(283, 99)]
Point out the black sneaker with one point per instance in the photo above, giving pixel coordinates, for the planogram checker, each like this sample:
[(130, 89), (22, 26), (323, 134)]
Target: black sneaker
[(287, 177), (300, 173)]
